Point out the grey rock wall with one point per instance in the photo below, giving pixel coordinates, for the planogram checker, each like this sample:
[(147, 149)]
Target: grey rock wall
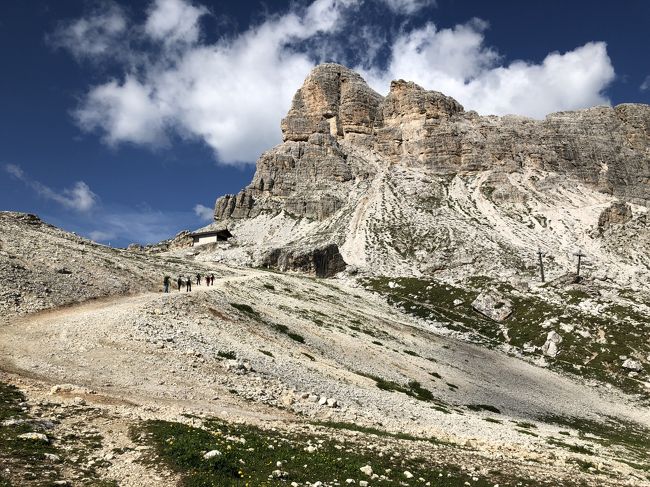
[(309, 174)]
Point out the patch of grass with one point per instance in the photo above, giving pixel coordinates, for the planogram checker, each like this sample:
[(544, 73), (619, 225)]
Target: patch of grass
[(493, 420), (376, 342), (526, 432), (249, 455), (412, 353), (389, 385), (296, 337), (19, 456), (575, 296), (245, 308), (266, 352), (285, 329), (568, 446), (524, 424), (435, 374), (630, 439), (419, 392), (483, 407), (228, 354), (310, 357), (413, 388), (269, 286), (452, 386), (579, 354)]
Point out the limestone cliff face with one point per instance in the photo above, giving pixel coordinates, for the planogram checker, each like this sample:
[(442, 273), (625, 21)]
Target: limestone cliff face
[(608, 148), (348, 152)]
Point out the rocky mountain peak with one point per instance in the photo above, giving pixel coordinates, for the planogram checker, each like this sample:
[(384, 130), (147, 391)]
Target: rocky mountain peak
[(409, 100), (333, 100), (411, 183)]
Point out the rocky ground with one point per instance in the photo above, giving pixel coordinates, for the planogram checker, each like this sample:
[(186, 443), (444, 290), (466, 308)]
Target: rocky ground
[(343, 378), (43, 267)]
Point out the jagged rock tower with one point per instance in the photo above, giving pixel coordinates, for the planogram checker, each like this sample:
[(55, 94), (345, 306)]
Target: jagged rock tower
[(411, 183)]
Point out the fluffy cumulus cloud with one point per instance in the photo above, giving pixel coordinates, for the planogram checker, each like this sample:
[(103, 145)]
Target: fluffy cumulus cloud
[(174, 21), (126, 111), (79, 198), (204, 213), (457, 62), (231, 93)]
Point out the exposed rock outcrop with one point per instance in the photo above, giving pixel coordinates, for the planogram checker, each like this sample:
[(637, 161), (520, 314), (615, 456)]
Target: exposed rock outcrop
[(493, 305), (322, 261), (615, 214), (411, 182)]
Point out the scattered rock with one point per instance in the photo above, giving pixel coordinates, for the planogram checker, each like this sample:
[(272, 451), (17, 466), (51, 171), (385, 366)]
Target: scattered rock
[(212, 454), (634, 365), (550, 347), (52, 458), (367, 470), (280, 474), (617, 213), (34, 437), (493, 305)]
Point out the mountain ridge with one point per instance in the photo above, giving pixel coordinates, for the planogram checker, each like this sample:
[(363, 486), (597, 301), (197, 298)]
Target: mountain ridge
[(403, 183)]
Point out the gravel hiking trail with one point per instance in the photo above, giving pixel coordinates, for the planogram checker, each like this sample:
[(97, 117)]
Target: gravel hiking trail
[(95, 344)]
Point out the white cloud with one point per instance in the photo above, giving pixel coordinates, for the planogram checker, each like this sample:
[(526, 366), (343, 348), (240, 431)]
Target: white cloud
[(645, 86), (457, 62), (124, 112), (174, 21), (232, 94), (203, 212), (79, 197), (408, 7), (94, 35)]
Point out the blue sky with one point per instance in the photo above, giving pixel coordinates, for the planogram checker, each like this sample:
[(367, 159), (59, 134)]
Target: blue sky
[(124, 121)]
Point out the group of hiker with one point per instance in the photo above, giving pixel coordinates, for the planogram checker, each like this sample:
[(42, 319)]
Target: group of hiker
[(187, 282)]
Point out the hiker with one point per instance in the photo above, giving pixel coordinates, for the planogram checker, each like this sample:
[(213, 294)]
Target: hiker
[(179, 282), (166, 284), (198, 279), (207, 280), (212, 279), (188, 285)]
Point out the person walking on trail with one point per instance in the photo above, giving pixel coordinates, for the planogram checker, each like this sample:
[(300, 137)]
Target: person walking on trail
[(188, 286), (179, 282), (166, 284), (198, 279), (212, 279), (207, 280)]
